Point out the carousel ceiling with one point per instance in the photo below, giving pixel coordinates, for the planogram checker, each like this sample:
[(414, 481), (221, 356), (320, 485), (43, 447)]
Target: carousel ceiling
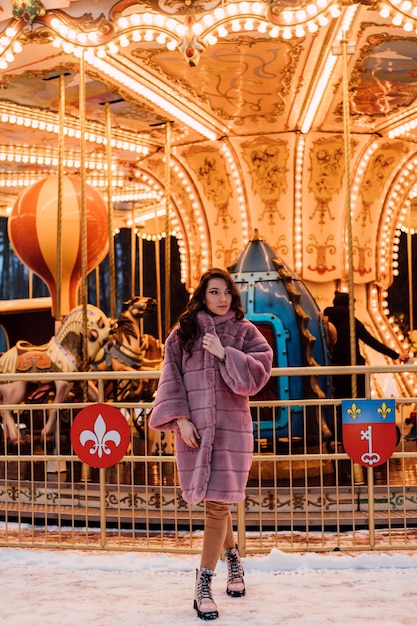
[(275, 114)]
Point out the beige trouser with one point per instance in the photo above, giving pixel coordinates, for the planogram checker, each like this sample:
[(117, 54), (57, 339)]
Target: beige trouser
[(218, 533)]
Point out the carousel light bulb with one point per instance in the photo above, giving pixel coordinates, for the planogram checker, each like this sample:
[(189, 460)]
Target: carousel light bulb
[(312, 27)]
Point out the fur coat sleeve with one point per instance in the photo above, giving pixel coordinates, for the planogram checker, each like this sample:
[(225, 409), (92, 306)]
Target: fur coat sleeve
[(171, 398)]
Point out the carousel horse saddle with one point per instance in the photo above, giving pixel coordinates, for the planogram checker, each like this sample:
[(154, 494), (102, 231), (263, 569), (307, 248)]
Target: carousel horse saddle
[(31, 358)]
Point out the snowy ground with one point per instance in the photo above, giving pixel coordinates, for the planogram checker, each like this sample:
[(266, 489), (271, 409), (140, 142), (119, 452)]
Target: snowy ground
[(74, 588)]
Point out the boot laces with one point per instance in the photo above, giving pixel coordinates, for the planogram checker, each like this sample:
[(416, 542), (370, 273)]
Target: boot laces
[(204, 586), (235, 566)]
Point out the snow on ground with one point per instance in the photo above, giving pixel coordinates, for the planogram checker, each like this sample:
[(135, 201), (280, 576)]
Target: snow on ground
[(77, 588)]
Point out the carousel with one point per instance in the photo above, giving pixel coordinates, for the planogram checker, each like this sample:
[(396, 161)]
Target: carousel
[(143, 142)]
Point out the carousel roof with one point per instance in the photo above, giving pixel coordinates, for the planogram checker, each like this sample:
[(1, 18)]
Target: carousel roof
[(275, 114)]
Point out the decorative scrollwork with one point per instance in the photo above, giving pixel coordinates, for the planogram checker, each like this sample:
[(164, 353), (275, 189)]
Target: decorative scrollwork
[(28, 11)]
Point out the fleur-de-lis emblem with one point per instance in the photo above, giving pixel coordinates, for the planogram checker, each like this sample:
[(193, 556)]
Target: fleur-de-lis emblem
[(354, 411), (384, 410), (100, 437)]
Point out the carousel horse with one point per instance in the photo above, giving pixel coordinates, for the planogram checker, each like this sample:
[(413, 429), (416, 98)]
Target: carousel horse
[(130, 350), (63, 353)]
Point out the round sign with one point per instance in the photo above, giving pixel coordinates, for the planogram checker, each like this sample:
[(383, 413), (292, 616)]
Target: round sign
[(100, 435)]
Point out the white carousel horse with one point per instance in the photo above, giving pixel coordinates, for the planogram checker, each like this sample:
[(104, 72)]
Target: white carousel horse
[(63, 353), (130, 350)]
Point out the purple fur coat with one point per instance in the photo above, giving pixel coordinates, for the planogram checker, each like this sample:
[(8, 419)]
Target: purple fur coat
[(215, 396)]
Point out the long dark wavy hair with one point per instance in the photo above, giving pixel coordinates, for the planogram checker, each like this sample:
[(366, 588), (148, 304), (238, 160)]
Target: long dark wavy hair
[(188, 327)]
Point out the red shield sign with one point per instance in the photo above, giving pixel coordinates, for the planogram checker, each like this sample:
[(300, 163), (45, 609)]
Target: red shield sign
[(100, 435), (369, 430)]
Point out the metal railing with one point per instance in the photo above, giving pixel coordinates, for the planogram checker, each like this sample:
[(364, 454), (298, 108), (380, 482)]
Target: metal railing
[(304, 492)]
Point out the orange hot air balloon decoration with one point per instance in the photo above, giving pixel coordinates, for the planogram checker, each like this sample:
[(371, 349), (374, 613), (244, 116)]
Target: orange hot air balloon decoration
[(33, 234)]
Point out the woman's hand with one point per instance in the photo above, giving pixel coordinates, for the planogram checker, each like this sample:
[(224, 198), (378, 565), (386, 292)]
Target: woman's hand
[(212, 343), (189, 433), (404, 357)]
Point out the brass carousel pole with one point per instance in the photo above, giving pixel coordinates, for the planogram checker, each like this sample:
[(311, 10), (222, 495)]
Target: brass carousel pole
[(140, 254), (133, 253), (357, 469), (140, 270), (167, 228), (112, 269), (158, 276), (84, 283), (58, 466), (85, 470), (346, 129), (410, 272), (60, 186)]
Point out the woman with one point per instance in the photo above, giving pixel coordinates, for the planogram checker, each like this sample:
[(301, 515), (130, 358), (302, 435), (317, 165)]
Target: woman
[(214, 360)]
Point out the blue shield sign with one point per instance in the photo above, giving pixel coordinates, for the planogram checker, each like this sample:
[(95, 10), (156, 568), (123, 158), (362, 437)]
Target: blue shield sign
[(369, 430)]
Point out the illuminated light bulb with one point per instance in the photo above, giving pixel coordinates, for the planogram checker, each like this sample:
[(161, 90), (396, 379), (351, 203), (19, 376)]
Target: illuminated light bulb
[(286, 33), (212, 40), (208, 20), (288, 16), (197, 28), (312, 27), (181, 30), (147, 18)]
